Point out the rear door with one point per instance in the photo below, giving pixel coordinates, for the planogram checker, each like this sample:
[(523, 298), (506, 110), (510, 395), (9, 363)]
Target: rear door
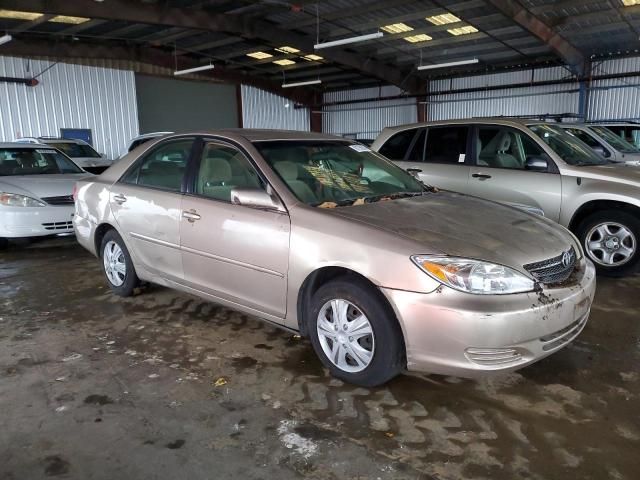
[(499, 171), (146, 203)]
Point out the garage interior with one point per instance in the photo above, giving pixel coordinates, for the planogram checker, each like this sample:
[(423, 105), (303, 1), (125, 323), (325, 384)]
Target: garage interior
[(165, 385)]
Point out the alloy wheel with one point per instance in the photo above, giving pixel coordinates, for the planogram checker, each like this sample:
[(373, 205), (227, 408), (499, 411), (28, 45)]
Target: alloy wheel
[(115, 265), (610, 244)]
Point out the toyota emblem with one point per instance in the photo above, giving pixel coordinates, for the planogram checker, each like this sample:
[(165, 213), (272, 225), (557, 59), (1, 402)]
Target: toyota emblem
[(566, 259)]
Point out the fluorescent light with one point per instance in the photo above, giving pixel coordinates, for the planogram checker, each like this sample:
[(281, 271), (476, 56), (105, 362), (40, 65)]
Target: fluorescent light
[(423, 37), (630, 3), (68, 19), (463, 30), (284, 62), (259, 55), (301, 84), (287, 50), (313, 58), (344, 41), (16, 15), (448, 64), (443, 19), (397, 28), (194, 70), (5, 39)]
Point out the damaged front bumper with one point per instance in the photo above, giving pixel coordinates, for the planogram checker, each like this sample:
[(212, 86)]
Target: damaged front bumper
[(454, 333)]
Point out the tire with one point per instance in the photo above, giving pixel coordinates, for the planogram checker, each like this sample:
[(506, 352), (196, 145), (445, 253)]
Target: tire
[(385, 342), (610, 239), (4, 243), (114, 255)]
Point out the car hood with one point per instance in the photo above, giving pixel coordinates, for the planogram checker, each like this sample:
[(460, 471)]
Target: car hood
[(612, 172), (39, 186), (465, 226)]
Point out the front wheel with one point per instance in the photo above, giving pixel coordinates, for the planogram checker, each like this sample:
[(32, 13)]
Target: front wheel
[(610, 239), (117, 265), (355, 334)]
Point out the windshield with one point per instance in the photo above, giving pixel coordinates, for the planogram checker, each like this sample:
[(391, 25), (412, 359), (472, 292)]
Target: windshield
[(614, 140), (329, 174), (566, 146), (76, 150), (34, 161)]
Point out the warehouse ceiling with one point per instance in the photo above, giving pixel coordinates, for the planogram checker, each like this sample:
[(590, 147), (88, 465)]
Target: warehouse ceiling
[(270, 42)]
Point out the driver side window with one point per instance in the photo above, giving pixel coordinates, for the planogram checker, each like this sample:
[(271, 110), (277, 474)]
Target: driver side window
[(503, 147), (223, 168)]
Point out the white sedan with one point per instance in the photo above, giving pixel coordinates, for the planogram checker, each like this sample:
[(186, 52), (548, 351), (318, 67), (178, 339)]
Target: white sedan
[(36, 191)]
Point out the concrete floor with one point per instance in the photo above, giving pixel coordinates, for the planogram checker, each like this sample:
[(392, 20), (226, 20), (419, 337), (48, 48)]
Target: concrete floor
[(163, 385)]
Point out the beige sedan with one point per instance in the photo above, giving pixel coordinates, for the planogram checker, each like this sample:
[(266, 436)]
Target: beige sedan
[(322, 236)]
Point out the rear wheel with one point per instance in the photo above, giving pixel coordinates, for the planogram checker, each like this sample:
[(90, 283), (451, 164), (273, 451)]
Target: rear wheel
[(117, 265), (610, 239), (355, 333)]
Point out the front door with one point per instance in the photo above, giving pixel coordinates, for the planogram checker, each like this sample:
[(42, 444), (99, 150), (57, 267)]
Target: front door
[(237, 253), (146, 203), (500, 173)]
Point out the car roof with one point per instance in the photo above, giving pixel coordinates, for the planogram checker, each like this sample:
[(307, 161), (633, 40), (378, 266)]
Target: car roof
[(258, 135), (522, 122), (21, 145)]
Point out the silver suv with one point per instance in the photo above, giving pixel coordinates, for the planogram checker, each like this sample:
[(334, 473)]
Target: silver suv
[(604, 142), (534, 166)]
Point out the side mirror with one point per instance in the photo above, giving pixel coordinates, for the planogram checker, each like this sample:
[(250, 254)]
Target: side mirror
[(536, 164), (415, 172), (255, 198), (601, 151)]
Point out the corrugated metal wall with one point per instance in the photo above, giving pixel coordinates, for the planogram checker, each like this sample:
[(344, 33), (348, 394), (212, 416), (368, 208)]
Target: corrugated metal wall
[(552, 99), (615, 99), (261, 109), (366, 120), (69, 96)]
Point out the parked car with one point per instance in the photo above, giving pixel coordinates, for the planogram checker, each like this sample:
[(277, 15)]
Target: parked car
[(604, 142), (534, 166), (144, 138), (36, 187), (81, 152), (321, 235), (628, 131)]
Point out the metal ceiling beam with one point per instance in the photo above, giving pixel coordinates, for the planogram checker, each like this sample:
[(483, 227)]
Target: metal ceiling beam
[(148, 55), (567, 52), (252, 28)]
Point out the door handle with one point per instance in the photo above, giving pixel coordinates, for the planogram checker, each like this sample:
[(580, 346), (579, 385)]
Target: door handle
[(191, 216), (119, 198), (482, 176)]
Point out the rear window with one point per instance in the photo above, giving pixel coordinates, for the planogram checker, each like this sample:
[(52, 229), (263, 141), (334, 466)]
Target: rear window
[(447, 144), (35, 161), (396, 147), (76, 150)]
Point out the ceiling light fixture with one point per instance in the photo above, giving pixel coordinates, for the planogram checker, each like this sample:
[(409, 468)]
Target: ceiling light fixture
[(259, 55), (443, 19), (448, 64), (345, 41), (301, 84), (313, 58), (17, 15), (284, 62), (630, 3), (69, 19), (194, 70), (5, 39), (397, 28), (463, 30), (423, 37), (287, 50)]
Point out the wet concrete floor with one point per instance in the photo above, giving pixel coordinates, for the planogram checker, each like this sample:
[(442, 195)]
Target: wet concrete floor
[(165, 386)]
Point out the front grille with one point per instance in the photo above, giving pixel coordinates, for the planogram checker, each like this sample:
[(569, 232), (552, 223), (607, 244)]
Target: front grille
[(554, 270), (63, 200), (493, 357), (58, 225), (559, 338)]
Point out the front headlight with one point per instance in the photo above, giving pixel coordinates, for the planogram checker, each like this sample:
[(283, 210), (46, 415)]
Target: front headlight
[(474, 276), (15, 200)]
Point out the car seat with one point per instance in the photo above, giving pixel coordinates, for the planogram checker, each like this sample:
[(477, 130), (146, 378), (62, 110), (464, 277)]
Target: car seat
[(290, 174)]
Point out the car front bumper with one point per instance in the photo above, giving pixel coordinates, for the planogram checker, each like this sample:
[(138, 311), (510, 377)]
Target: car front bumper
[(454, 333), (19, 222)]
